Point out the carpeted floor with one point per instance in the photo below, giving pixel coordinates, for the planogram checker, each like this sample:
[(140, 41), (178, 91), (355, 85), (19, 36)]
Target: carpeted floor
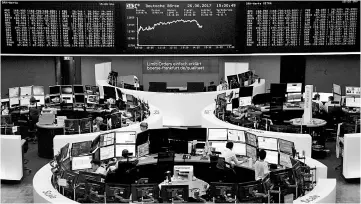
[(22, 192)]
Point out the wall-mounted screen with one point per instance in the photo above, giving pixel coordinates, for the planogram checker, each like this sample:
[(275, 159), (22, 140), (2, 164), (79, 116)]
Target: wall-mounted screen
[(239, 149), (79, 163), (353, 91), (217, 134), (286, 146), (245, 101), (119, 149), (251, 152), (236, 135), (107, 152), (152, 27), (14, 92), (53, 90), (125, 137), (251, 139), (336, 89), (26, 91), (268, 143), (294, 87), (78, 89), (38, 90), (271, 157)]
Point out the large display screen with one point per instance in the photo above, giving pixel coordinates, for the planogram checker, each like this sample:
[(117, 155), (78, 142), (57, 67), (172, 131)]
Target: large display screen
[(107, 152), (107, 139), (236, 135), (239, 149), (271, 157), (217, 134), (153, 27), (125, 137), (268, 143)]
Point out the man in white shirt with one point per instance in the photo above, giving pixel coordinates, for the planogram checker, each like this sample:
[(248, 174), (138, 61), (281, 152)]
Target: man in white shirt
[(229, 155), (97, 168), (261, 166), (317, 100)]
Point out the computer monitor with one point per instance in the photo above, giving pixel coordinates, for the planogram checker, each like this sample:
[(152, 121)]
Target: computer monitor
[(119, 94), (251, 139), (221, 96), (64, 151), (246, 91), (26, 91), (66, 164), (120, 147), (79, 98), (88, 89), (261, 99), (195, 86), (353, 102), (278, 89), (294, 87), (143, 149), (337, 98), (107, 152), (14, 92), (96, 154), (251, 152), (107, 139), (268, 143), (125, 137), (130, 98), (245, 101), (144, 192), (158, 86), (71, 177), (246, 190), (223, 191), (219, 134), (67, 98), (14, 102), (286, 146), (55, 99), (25, 100), (235, 103), (174, 193), (109, 92), (38, 91), (236, 135), (294, 97), (239, 149), (83, 162), (40, 100), (119, 190), (219, 146), (336, 89), (272, 157), (93, 99), (280, 176), (81, 148), (95, 90), (285, 160), (89, 177), (353, 91), (54, 90), (78, 89)]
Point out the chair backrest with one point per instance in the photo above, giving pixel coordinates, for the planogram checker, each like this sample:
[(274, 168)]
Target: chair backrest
[(221, 163)]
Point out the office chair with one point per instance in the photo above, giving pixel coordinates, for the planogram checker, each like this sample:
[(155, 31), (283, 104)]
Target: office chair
[(165, 162), (224, 173)]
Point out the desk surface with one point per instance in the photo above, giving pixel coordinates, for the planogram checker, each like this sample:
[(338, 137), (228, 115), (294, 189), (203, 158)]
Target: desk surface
[(314, 123), (53, 126)]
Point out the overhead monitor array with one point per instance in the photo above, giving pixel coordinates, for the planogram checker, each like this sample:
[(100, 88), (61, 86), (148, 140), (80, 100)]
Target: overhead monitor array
[(145, 27)]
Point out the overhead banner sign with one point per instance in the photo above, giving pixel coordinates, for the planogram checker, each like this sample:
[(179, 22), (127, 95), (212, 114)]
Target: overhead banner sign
[(179, 65)]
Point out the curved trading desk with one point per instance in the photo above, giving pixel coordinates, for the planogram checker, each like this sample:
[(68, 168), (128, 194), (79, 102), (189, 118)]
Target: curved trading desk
[(154, 121)]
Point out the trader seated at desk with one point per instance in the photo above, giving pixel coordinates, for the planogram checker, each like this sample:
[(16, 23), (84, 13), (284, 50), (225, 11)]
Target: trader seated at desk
[(122, 171), (97, 168), (230, 156)]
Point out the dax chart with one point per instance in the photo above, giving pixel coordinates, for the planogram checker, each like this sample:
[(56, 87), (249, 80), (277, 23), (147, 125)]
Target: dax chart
[(180, 26)]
